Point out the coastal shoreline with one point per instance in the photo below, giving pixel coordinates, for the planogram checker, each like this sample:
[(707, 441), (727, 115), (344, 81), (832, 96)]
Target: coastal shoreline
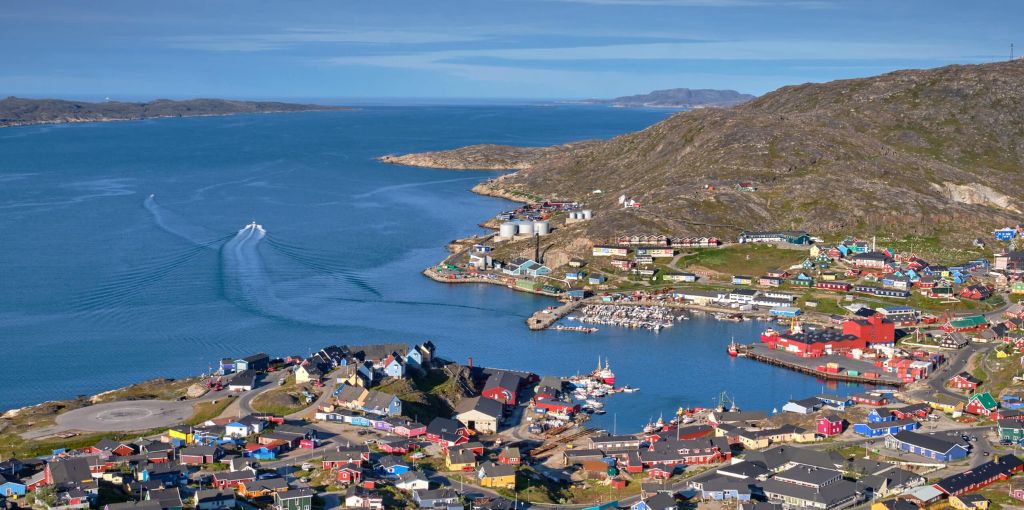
[(159, 117)]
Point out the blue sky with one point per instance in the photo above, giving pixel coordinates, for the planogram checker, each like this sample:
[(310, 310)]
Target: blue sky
[(480, 48)]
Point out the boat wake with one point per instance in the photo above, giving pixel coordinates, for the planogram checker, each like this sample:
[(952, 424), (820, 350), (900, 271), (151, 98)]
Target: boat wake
[(323, 264), (173, 223)]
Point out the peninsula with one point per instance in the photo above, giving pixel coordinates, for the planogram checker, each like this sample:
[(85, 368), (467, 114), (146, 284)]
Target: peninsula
[(16, 111)]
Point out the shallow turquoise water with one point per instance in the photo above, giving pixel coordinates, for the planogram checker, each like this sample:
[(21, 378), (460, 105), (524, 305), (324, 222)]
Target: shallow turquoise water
[(102, 285)]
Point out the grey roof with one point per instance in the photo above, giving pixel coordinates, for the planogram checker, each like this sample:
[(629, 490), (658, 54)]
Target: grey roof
[(809, 475), (776, 457), (72, 471), (214, 495), (494, 469), (829, 495), (483, 405), (926, 441), (378, 400), (503, 379), (744, 469), (887, 424)]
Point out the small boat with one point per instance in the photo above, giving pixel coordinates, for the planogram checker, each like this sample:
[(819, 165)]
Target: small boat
[(629, 389), (733, 348)]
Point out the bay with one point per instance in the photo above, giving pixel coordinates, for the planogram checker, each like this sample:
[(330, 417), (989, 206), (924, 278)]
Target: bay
[(123, 255)]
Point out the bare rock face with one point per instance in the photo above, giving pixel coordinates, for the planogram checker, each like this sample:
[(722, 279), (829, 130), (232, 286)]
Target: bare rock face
[(937, 151), (196, 390), (978, 194)]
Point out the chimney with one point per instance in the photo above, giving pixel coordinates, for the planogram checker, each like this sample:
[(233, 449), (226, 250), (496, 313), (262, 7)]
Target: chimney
[(469, 363)]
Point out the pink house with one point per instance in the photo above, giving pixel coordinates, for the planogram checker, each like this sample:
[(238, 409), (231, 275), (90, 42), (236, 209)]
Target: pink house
[(830, 425)]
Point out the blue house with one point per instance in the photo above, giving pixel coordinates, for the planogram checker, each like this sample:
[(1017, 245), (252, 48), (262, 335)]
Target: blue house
[(835, 401), (879, 415), (596, 279), (394, 465), (10, 487), (883, 428), (414, 357), (261, 452), (1005, 234), (927, 445), (578, 275)]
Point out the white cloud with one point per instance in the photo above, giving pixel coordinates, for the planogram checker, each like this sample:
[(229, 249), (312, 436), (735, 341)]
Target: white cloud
[(293, 37)]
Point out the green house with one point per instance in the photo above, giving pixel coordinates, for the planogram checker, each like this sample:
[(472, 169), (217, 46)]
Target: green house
[(294, 499), (1011, 430)]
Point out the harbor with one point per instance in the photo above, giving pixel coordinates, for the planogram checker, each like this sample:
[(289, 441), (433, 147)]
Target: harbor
[(652, 318)]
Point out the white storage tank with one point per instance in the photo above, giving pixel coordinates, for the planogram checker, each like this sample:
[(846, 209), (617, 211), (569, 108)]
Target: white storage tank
[(526, 228), (573, 215), (587, 214), (508, 230), (542, 227)]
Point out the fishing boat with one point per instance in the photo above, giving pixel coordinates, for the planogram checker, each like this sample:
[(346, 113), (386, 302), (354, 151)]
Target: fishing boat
[(629, 389), (604, 374), (733, 348)]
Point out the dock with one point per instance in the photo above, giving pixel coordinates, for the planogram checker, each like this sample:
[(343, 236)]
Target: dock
[(773, 358), (542, 319)]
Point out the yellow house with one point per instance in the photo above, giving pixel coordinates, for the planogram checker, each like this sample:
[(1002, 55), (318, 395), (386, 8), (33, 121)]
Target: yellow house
[(946, 404), (814, 251), (497, 475), (460, 460), (182, 434), (969, 502)]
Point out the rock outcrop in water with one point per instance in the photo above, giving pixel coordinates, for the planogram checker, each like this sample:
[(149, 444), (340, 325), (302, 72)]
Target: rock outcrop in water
[(929, 152), (16, 111)]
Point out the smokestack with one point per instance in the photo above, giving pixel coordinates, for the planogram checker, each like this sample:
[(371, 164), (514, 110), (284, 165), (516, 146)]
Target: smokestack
[(536, 248), (469, 363)]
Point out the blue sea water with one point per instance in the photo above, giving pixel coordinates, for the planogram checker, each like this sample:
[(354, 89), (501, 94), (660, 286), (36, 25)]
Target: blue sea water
[(123, 255)]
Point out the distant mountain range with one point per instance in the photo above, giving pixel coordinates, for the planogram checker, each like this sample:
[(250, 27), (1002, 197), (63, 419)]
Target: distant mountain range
[(15, 111), (677, 98)]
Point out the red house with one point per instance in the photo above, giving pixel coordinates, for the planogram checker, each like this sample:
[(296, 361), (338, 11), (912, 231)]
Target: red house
[(868, 399), (350, 474), (976, 292), (830, 425), (836, 286), (411, 429), (872, 330), (912, 411), (981, 404), (225, 479), (964, 381), (510, 456), (503, 387), (660, 472)]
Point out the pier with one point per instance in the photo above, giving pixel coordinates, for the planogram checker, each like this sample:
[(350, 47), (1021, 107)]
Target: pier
[(806, 366), (542, 319)]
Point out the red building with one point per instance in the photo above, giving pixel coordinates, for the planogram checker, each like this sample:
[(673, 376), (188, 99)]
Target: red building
[(964, 381), (557, 406), (350, 474), (976, 292), (813, 344), (872, 330), (868, 399), (503, 387), (830, 425), (837, 286), (412, 429), (510, 457)]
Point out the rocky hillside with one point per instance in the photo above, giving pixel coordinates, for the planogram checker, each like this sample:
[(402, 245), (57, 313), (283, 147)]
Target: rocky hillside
[(15, 111), (932, 152), (678, 98)]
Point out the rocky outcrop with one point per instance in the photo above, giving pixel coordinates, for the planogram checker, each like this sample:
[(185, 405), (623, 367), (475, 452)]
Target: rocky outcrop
[(484, 157)]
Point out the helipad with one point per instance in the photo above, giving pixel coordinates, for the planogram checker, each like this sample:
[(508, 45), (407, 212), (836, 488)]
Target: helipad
[(126, 416)]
